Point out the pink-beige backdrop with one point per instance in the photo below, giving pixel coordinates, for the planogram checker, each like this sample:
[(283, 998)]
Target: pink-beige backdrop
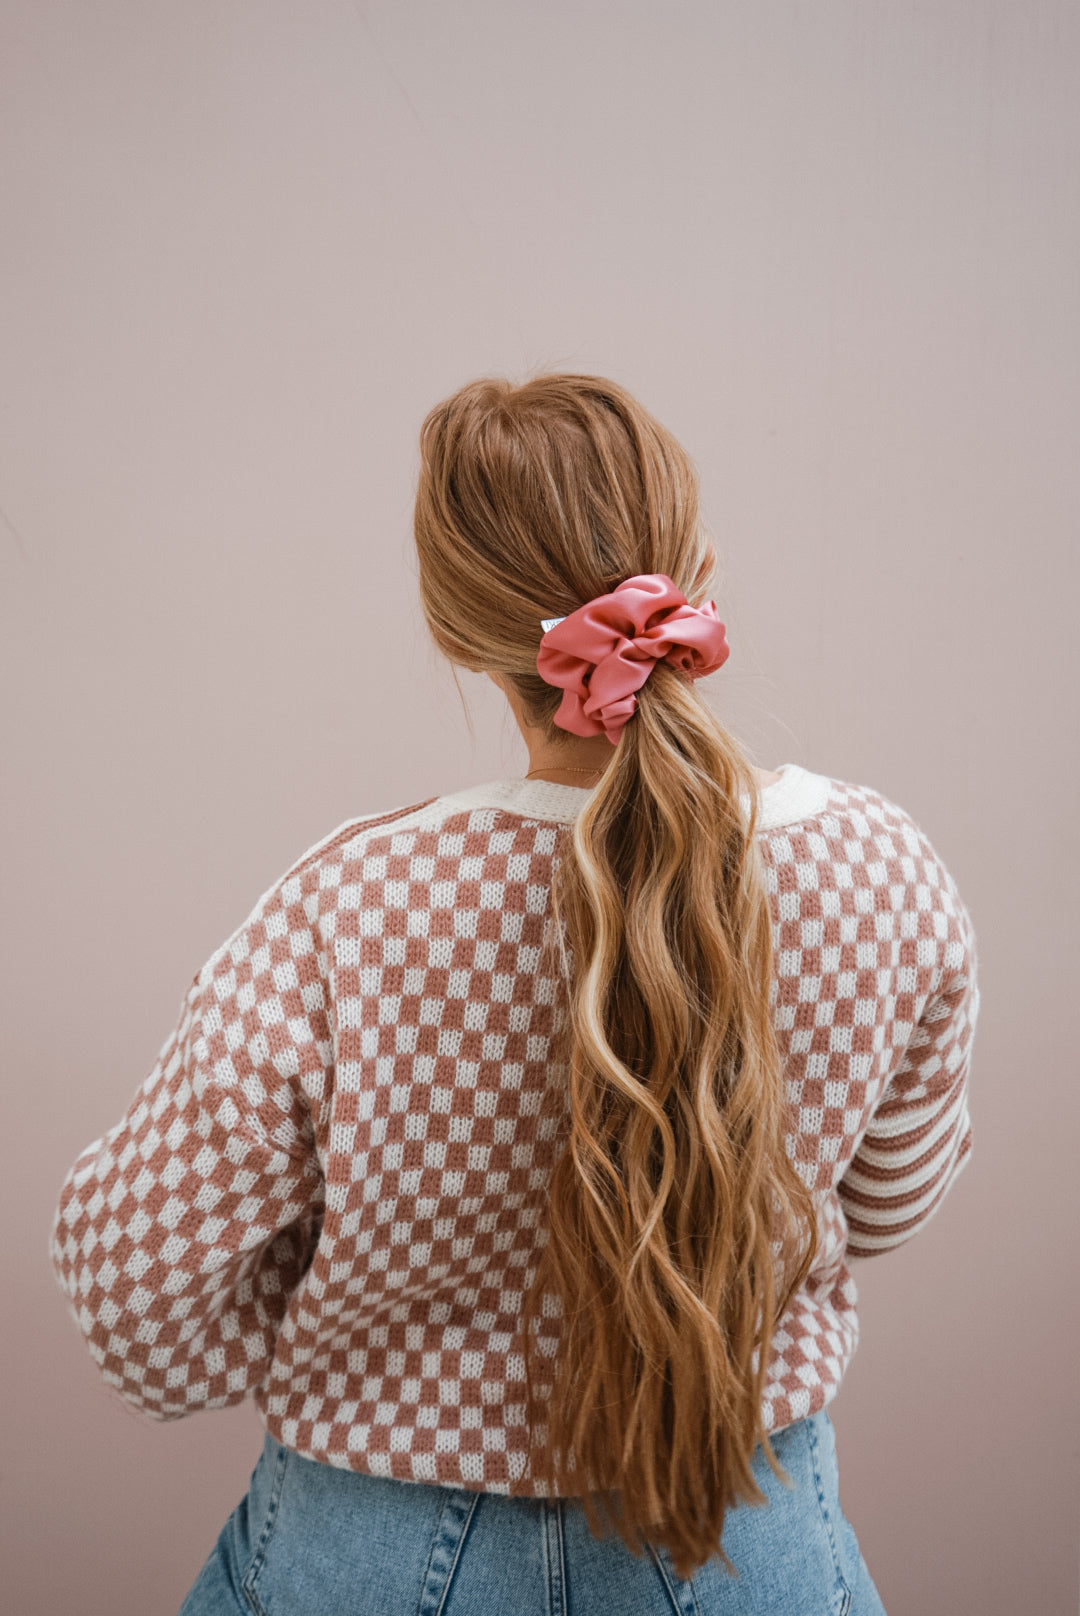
[(836, 247)]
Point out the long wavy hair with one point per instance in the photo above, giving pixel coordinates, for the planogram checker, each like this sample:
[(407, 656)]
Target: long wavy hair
[(677, 1227)]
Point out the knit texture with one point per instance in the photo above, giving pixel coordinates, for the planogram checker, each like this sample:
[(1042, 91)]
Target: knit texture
[(329, 1190)]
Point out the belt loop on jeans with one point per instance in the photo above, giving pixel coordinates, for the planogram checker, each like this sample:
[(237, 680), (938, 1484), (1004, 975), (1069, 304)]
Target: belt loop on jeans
[(454, 1518), (680, 1591), (551, 1526)]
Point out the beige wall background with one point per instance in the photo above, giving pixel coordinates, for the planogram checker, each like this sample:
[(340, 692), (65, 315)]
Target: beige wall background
[(836, 247)]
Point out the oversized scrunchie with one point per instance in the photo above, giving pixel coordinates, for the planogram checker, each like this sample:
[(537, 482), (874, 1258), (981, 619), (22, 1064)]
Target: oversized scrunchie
[(601, 654)]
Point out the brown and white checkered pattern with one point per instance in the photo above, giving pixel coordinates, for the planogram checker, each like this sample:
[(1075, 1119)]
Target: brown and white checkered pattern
[(329, 1190)]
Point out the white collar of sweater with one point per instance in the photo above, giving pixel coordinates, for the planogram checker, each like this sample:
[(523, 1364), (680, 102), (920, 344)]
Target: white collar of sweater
[(798, 794)]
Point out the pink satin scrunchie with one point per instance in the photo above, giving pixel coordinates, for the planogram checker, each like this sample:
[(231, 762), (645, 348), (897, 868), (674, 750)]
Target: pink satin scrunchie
[(604, 652)]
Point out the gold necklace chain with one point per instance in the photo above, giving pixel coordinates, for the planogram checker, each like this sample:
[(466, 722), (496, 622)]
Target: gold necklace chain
[(561, 769)]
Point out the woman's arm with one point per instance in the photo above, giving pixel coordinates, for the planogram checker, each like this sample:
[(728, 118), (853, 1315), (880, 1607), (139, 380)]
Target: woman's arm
[(181, 1233), (919, 1136)]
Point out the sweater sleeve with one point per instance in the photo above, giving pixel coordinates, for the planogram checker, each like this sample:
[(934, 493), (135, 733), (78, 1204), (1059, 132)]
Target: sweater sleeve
[(919, 1136), (181, 1233)]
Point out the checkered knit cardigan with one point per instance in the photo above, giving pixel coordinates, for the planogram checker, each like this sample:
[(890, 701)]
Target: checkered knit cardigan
[(328, 1192)]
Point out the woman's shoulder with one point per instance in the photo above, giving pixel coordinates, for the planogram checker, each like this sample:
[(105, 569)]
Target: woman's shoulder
[(872, 842), (854, 808), (842, 811)]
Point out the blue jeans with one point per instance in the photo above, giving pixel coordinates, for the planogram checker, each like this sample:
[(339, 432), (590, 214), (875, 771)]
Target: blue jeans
[(312, 1540)]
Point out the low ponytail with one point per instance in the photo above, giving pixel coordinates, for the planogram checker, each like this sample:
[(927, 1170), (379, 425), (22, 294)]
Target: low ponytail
[(675, 1217), (677, 1227)]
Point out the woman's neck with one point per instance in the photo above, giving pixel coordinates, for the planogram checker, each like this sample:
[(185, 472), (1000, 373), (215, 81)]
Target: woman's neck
[(576, 761), (578, 774)]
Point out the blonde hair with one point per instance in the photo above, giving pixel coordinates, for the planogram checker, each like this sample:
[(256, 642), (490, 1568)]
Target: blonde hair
[(678, 1229)]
